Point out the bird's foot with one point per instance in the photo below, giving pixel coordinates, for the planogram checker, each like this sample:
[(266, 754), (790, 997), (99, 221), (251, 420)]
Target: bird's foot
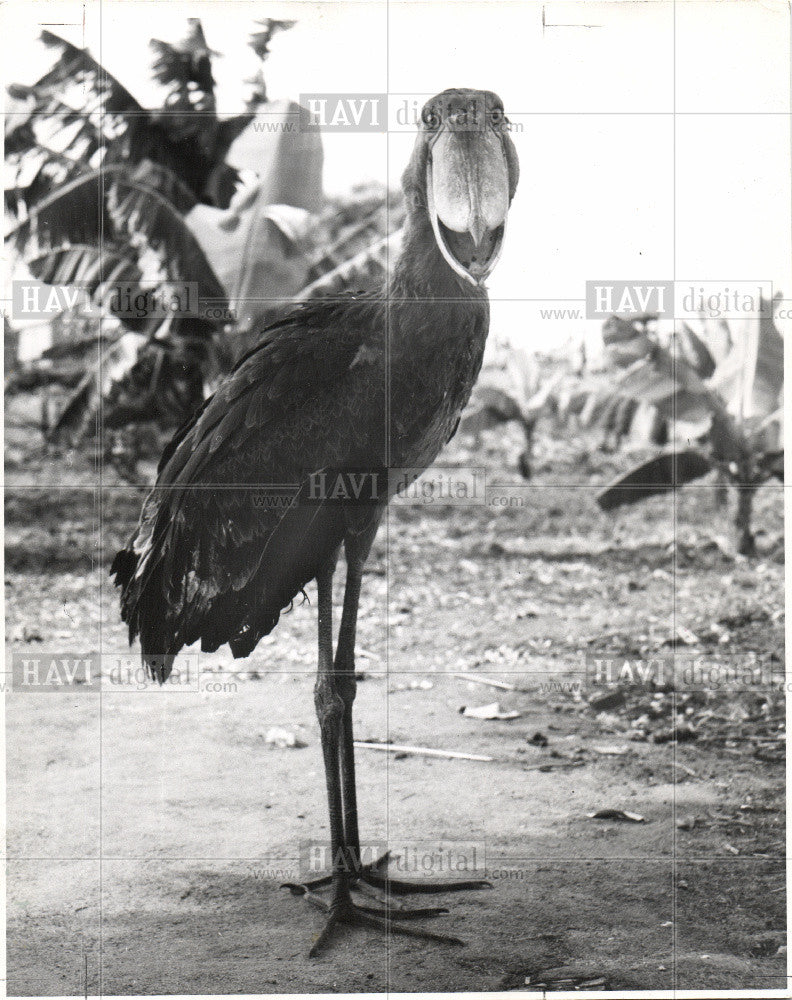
[(400, 911), (371, 880), (375, 874), (342, 910)]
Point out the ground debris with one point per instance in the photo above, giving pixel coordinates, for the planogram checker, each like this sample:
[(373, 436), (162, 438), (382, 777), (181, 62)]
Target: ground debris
[(687, 636), (401, 749), (538, 740), (749, 719), (283, 739), (486, 681), (27, 633), (608, 700), (620, 815), (561, 978), (681, 734), (414, 685), (492, 711), (767, 943)]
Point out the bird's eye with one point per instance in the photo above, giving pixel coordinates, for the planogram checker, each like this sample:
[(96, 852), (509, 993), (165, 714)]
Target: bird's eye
[(431, 118), (497, 116)]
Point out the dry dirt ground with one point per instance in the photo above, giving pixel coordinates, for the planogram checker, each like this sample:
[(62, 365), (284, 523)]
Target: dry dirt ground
[(149, 831)]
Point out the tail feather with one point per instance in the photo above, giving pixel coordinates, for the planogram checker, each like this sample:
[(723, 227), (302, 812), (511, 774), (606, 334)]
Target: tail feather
[(183, 581)]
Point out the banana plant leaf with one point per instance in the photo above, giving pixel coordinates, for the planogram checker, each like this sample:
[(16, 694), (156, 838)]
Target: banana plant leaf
[(140, 219), (627, 341), (660, 474), (695, 351), (750, 379), (111, 364), (658, 376)]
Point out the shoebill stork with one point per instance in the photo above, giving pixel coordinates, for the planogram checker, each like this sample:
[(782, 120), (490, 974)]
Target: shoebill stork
[(246, 510)]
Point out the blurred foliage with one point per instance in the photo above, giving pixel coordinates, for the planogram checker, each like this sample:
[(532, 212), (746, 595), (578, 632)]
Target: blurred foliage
[(100, 188), (104, 195), (720, 390)]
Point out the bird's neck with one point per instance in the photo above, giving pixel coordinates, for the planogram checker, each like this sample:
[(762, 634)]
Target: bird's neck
[(422, 272)]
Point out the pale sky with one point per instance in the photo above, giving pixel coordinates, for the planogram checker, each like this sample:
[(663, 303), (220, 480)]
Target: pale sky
[(655, 137)]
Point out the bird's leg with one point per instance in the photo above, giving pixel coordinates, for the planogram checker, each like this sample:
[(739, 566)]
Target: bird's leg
[(344, 668), (332, 706), (347, 687), (342, 676), (374, 873), (329, 711)]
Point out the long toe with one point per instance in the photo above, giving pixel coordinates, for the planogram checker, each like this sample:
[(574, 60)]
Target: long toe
[(380, 920), (399, 910), (403, 887), (403, 912), (387, 924), (375, 874)]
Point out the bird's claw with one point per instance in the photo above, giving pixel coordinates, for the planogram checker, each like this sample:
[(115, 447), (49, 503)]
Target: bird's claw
[(401, 912), (344, 911), (370, 880)]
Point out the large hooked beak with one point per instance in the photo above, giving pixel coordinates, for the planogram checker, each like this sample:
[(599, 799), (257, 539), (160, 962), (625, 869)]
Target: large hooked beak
[(467, 185)]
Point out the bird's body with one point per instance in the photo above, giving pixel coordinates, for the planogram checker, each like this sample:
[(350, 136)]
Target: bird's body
[(240, 519), (224, 542)]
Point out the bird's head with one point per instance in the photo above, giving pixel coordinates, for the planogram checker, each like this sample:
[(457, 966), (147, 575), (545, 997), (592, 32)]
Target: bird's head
[(463, 174)]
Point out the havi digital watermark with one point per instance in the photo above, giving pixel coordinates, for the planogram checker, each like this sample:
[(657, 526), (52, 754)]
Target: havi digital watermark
[(694, 673), (75, 673), (126, 300), (680, 299)]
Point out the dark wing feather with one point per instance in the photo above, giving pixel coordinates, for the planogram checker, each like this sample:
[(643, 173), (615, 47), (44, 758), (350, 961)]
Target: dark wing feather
[(221, 547)]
